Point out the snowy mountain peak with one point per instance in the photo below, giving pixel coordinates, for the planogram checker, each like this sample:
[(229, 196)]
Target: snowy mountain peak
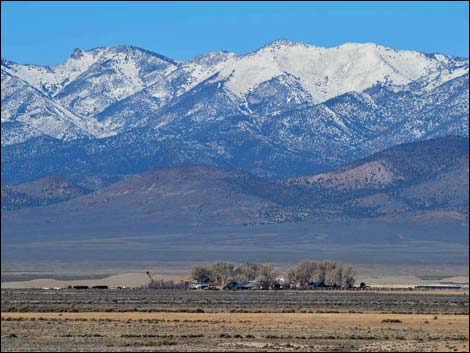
[(370, 45), (137, 51), (115, 73), (329, 72), (6, 62), (279, 43), (109, 90), (214, 58), (77, 53)]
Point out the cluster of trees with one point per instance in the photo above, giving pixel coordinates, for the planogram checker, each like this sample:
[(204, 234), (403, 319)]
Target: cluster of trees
[(333, 273), (225, 272)]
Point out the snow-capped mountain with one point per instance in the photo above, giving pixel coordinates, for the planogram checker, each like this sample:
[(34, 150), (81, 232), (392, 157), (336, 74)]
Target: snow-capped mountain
[(127, 71), (328, 72), (138, 109), (51, 79), (286, 109), (27, 113)]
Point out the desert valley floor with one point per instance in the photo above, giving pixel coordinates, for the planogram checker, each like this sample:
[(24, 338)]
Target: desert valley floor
[(169, 320)]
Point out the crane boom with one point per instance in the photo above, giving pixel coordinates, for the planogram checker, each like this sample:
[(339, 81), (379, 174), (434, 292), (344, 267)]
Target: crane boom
[(150, 276)]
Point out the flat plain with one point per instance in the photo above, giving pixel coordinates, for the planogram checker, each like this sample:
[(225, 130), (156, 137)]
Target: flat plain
[(179, 320)]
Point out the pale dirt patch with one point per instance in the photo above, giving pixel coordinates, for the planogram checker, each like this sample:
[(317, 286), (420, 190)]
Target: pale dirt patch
[(140, 279)]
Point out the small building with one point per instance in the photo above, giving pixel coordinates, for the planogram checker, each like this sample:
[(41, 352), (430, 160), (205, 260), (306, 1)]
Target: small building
[(439, 287)]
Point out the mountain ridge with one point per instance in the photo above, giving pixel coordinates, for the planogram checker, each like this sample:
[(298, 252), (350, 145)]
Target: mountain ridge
[(418, 177), (65, 79), (131, 110)]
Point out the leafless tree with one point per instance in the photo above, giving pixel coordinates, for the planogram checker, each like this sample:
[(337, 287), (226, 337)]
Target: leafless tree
[(222, 272), (304, 272), (202, 274), (348, 277), (246, 272), (265, 272), (333, 273), (328, 272), (337, 274), (292, 275)]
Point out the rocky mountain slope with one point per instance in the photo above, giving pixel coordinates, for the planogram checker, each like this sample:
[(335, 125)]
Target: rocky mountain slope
[(285, 110), (414, 177), (28, 113), (189, 195), (411, 179)]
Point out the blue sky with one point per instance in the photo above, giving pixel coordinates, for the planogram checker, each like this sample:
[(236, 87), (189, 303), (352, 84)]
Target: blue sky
[(47, 32)]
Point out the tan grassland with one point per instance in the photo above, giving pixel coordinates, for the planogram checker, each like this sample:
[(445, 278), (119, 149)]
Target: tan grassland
[(138, 331)]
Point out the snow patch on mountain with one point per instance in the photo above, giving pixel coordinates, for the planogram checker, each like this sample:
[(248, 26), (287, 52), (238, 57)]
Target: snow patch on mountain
[(126, 72), (316, 96), (140, 108), (329, 72), (24, 107), (51, 79)]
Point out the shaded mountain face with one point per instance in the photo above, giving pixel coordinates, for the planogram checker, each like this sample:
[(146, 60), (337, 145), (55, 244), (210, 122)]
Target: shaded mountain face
[(285, 110), (447, 190), (183, 196), (421, 178), (40, 192)]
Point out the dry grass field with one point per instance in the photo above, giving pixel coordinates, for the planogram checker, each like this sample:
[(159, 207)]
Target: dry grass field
[(143, 320), (230, 332)]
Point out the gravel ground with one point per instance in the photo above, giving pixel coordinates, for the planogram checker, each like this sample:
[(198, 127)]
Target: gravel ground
[(146, 300), (183, 320)]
